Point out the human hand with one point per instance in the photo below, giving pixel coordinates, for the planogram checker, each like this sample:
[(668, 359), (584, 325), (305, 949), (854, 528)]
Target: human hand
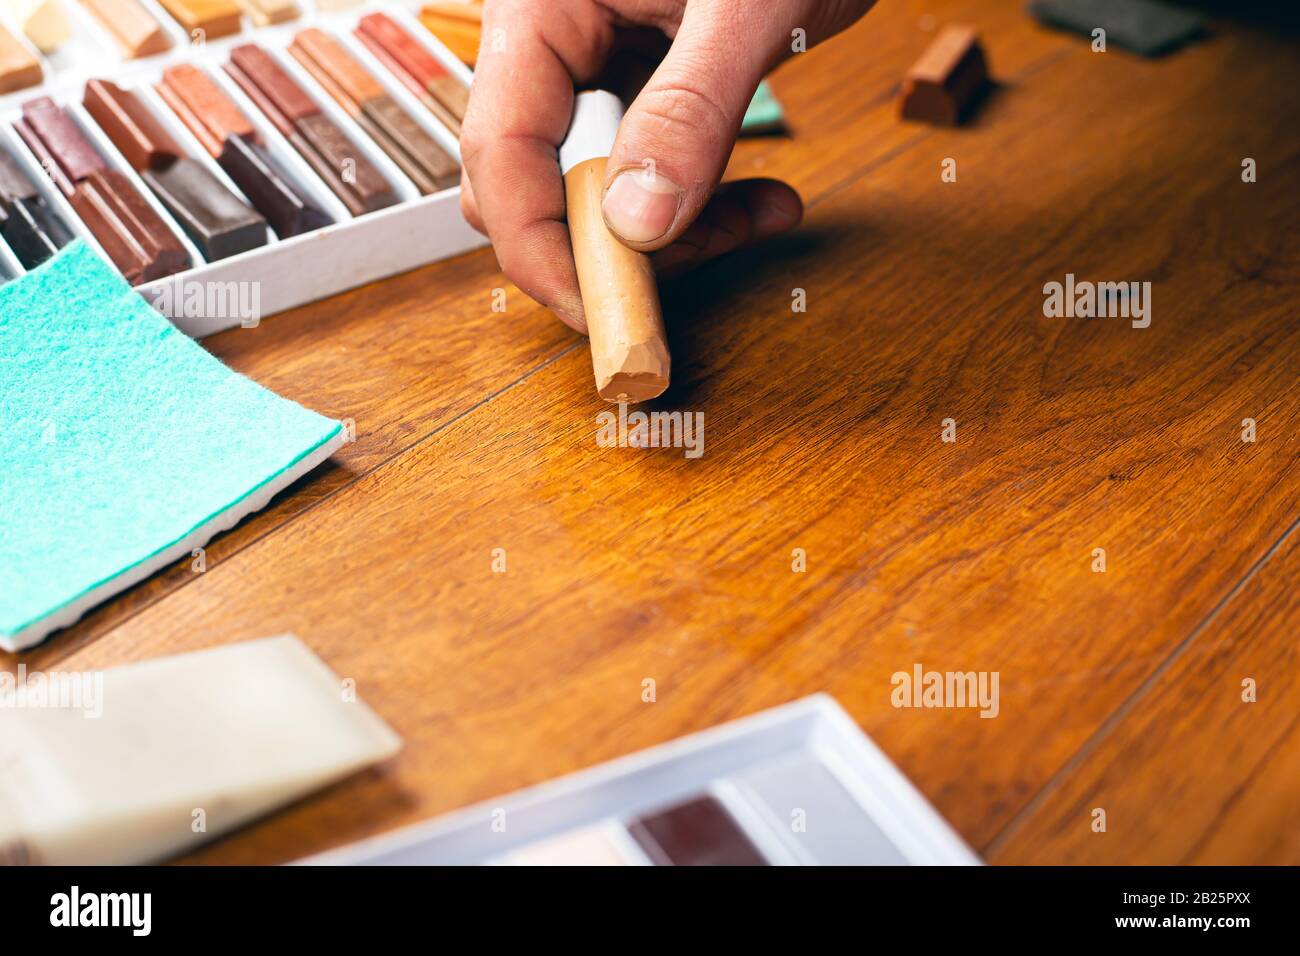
[(681, 127)]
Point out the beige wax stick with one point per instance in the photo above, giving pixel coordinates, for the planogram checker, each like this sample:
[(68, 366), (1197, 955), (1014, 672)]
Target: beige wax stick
[(629, 351), (266, 12), (43, 21)]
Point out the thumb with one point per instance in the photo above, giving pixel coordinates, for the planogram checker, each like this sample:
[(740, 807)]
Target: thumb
[(676, 137)]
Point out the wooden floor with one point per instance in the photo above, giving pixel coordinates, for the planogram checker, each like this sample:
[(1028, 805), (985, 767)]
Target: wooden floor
[(1120, 690)]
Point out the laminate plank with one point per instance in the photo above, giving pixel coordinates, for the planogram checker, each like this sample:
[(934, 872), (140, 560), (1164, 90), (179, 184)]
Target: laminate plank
[(1194, 772), (626, 564)]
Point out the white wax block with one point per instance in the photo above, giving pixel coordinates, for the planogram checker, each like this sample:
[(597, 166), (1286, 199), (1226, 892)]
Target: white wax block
[(42, 21), (217, 738)]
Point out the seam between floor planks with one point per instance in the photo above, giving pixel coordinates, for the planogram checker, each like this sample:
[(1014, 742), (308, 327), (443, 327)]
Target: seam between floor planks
[(1125, 707)]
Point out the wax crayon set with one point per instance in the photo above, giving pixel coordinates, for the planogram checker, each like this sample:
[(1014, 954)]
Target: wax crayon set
[(300, 146)]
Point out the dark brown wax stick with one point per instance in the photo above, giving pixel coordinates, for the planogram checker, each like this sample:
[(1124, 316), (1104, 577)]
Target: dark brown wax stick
[(266, 187), (43, 156), (217, 220), (32, 230), (411, 168)]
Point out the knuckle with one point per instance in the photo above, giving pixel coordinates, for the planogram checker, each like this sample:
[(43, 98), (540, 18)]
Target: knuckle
[(683, 108), (471, 143)]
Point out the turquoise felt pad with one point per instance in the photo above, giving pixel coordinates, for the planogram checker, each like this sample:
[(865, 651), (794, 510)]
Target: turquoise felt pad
[(119, 436), (764, 114)]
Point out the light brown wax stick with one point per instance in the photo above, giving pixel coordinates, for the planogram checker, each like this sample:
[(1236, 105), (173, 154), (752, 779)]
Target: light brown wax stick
[(133, 27), (629, 351), (19, 69)]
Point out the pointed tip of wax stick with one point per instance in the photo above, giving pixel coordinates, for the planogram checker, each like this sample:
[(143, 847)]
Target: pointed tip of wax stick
[(640, 373)]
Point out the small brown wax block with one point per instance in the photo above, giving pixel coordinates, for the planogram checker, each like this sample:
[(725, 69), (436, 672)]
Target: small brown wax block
[(212, 216), (451, 93), (328, 172), (131, 125), (282, 123), (314, 45), (944, 83), (97, 208), (326, 80), (411, 167), (19, 68), (401, 46), (215, 18), (165, 254), (134, 28), (202, 132), (44, 157)]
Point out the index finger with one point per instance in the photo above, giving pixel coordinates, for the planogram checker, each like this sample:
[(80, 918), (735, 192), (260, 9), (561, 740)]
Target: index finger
[(518, 114)]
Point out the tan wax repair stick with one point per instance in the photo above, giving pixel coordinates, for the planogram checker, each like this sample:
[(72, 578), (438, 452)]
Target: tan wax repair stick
[(629, 351), (138, 763)]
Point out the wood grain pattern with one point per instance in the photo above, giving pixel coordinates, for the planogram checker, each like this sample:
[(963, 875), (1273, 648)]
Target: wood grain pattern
[(399, 331), (1192, 772), (823, 432)]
